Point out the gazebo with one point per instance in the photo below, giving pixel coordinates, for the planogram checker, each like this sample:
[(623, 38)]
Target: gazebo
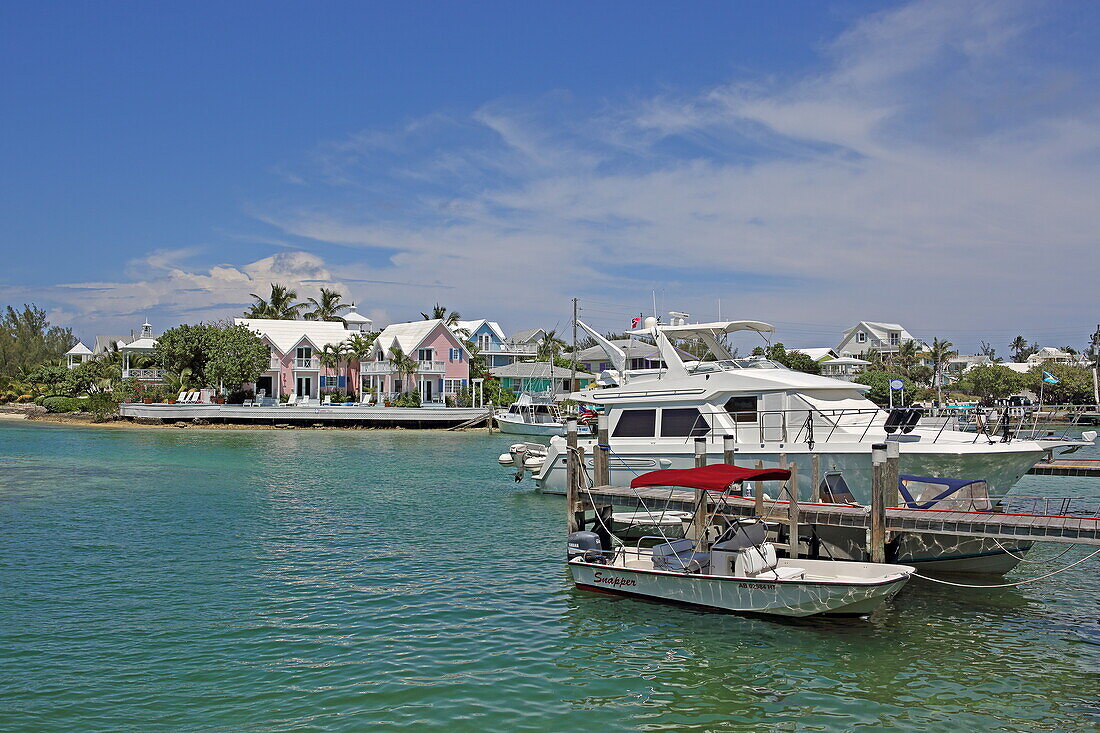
[(143, 345), (78, 355)]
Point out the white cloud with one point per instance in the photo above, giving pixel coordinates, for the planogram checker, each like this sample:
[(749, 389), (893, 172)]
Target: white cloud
[(931, 171)]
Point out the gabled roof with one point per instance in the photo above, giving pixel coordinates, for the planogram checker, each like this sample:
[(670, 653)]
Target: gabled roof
[(409, 336), (535, 370), (78, 350), (285, 335), (528, 334), (879, 328), (817, 353), (105, 343), (473, 326)]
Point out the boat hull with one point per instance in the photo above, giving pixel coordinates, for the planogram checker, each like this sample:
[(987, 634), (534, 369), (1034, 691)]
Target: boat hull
[(794, 598), (944, 553), (518, 427)]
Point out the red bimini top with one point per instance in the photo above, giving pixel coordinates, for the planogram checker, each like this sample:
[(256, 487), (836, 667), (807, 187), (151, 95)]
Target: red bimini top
[(716, 477)]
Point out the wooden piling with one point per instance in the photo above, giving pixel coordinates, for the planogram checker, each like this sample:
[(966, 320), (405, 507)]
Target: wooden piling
[(758, 490), (893, 459), (571, 482), (699, 521), (601, 454), (815, 477), (792, 516), (877, 531), (729, 450)]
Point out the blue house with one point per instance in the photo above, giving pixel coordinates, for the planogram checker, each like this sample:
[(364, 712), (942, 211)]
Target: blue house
[(492, 344)]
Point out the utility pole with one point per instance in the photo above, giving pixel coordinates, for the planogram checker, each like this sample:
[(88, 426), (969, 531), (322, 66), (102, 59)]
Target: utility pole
[(573, 361)]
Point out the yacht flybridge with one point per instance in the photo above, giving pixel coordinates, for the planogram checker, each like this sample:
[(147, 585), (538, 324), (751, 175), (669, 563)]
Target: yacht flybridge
[(775, 415)]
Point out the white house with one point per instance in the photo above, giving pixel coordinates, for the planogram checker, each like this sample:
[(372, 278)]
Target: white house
[(1051, 354), (885, 338)]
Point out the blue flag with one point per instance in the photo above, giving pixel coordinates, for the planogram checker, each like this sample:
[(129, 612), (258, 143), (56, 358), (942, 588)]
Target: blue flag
[(1050, 378)]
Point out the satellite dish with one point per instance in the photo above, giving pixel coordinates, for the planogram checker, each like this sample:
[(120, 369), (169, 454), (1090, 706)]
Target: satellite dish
[(896, 384)]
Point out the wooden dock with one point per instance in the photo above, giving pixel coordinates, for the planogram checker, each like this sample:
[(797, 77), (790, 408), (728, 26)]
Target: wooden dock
[(1029, 527), (1067, 467), (328, 415)]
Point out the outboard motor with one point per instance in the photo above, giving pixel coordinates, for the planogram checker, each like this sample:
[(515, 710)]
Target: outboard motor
[(587, 546)]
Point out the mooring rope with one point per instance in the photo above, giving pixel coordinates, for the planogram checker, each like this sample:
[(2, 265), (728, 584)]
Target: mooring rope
[(1021, 558), (1008, 585)]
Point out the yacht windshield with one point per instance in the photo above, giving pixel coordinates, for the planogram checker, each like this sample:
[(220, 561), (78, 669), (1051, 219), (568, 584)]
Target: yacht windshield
[(728, 365)]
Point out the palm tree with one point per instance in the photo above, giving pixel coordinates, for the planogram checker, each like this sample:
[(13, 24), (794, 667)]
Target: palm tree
[(403, 364), (328, 308), (359, 346), (877, 359), (940, 353), (550, 347), (451, 318), (1018, 347), (906, 356), (333, 356), (279, 306)]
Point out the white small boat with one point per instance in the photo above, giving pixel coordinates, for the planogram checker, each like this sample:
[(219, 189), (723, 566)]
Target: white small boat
[(667, 524), (739, 571), (533, 416)]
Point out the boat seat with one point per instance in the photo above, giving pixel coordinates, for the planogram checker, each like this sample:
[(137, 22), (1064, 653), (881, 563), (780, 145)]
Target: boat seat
[(680, 555), (782, 574)]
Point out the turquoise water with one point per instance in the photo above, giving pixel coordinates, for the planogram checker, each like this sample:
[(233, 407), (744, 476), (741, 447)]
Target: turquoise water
[(327, 580)]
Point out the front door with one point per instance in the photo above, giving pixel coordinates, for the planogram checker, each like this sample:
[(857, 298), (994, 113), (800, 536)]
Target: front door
[(425, 390), (304, 386)]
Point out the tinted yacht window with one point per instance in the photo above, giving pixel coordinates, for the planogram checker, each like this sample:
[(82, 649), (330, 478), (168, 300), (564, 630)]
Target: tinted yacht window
[(636, 424), (743, 409), (683, 423)]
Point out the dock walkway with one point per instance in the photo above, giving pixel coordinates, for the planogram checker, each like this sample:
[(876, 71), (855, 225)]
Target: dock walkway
[(1034, 527), (1067, 467), (419, 417)]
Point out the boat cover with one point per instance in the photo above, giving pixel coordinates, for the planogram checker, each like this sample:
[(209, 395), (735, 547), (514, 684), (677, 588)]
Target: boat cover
[(715, 477)]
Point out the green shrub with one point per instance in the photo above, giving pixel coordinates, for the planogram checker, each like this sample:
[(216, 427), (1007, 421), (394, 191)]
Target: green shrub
[(408, 399), (240, 396), (64, 404), (102, 405)]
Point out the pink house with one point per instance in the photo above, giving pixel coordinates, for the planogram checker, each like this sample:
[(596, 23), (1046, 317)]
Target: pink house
[(443, 361), (295, 346)]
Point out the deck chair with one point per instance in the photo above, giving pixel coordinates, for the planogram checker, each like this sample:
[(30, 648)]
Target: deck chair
[(292, 400), (367, 400), (182, 396), (327, 400), (191, 397)]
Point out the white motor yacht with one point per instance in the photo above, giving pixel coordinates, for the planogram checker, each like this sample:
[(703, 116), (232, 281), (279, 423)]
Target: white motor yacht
[(775, 415)]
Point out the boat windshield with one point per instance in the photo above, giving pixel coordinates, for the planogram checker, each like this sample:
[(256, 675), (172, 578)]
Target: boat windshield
[(728, 365)]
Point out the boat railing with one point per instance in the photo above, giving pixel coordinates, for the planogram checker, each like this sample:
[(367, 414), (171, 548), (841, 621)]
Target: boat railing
[(815, 425), (1069, 506)]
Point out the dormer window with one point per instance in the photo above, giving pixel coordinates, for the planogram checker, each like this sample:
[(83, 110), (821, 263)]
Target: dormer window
[(895, 337), (861, 337)]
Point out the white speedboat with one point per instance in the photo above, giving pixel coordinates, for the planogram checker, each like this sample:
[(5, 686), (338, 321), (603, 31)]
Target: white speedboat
[(738, 572), (531, 416)]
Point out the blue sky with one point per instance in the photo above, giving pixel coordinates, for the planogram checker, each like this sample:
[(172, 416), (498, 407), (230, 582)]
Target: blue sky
[(809, 164)]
